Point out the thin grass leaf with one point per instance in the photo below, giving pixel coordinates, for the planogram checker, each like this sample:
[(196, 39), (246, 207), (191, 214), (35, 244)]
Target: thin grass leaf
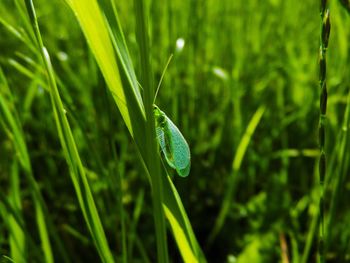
[(176, 211), (181, 239), (93, 25), (18, 34), (237, 161), (77, 170), (151, 150), (17, 235), (9, 117)]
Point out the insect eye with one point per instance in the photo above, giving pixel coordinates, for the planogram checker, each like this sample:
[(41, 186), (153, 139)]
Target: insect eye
[(161, 119)]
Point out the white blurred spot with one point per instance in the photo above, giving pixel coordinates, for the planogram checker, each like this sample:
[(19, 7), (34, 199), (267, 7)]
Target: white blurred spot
[(62, 56), (180, 43), (220, 72), (231, 259)]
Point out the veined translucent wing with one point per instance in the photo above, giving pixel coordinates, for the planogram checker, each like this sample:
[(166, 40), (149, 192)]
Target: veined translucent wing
[(164, 145), (172, 143), (179, 148)]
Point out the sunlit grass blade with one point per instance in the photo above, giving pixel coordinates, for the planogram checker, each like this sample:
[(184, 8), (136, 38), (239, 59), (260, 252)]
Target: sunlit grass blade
[(176, 211), (77, 170), (240, 152), (93, 25), (180, 237), (124, 61)]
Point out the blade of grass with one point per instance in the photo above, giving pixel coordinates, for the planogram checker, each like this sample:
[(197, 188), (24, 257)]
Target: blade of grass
[(315, 210), (175, 210), (96, 31), (181, 239), (8, 212), (17, 235), (237, 161), (10, 117), (118, 171), (339, 164), (324, 38), (77, 170), (135, 220), (152, 160)]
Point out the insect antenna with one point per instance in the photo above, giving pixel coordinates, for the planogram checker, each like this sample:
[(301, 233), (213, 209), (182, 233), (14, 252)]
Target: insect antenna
[(161, 78)]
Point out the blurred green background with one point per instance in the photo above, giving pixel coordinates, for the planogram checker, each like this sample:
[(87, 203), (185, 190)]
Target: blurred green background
[(232, 60)]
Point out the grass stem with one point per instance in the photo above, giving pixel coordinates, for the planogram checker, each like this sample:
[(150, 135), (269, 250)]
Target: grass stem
[(152, 160)]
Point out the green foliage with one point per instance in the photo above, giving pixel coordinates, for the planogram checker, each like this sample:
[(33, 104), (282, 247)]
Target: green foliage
[(80, 171)]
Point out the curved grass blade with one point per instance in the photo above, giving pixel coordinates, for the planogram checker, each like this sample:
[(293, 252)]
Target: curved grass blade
[(77, 171), (176, 210), (9, 119), (240, 152), (96, 31), (180, 237)]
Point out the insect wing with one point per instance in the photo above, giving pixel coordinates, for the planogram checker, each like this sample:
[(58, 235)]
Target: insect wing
[(179, 148), (164, 144), (184, 172)]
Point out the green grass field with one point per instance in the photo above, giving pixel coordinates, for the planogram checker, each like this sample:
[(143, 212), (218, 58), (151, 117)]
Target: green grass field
[(83, 177)]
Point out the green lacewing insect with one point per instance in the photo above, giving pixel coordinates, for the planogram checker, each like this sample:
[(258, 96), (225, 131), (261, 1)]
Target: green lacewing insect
[(170, 139), (172, 143)]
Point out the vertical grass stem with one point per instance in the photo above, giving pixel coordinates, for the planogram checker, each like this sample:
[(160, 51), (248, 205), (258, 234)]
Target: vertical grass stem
[(325, 31), (152, 160)]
